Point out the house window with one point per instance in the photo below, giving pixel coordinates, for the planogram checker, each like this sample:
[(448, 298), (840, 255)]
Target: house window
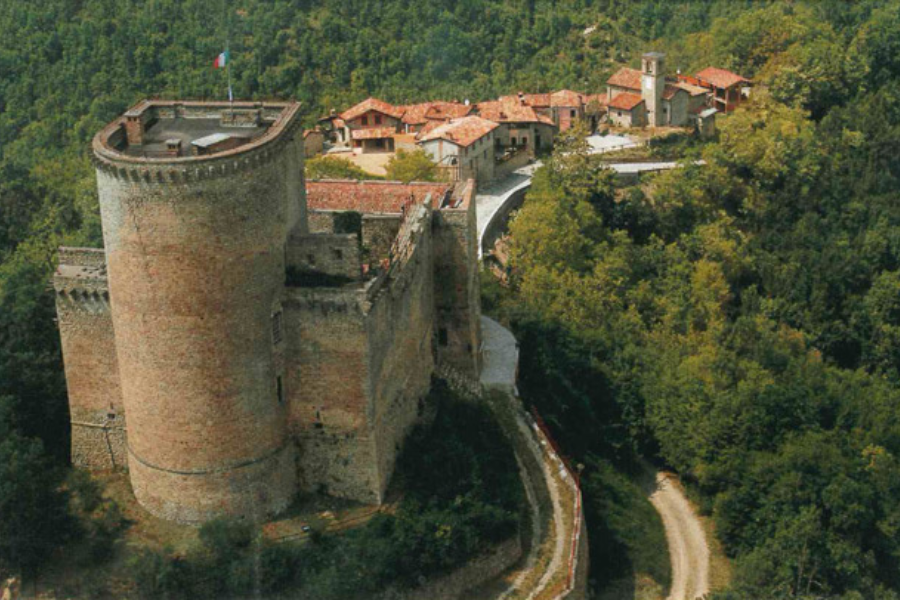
[(442, 336), (378, 119), (279, 390), (573, 114), (364, 120), (277, 328), (512, 141), (311, 259), (338, 253)]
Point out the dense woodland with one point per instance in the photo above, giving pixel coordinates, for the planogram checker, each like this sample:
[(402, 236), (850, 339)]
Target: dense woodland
[(738, 321)]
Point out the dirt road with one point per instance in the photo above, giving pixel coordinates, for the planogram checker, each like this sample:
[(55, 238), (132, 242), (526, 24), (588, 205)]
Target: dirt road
[(687, 541)]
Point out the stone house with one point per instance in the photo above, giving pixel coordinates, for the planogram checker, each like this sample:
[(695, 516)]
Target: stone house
[(371, 125), (727, 89), (522, 128), (627, 110), (464, 147)]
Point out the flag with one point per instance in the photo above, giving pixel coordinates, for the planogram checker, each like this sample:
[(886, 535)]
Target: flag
[(221, 60)]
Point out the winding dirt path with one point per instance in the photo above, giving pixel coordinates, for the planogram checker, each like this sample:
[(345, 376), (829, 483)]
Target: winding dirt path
[(687, 541)]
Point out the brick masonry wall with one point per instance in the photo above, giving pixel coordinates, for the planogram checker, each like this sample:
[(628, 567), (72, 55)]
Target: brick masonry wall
[(326, 383), (333, 254), (457, 289), (195, 271), (95, 397), (400, 337)]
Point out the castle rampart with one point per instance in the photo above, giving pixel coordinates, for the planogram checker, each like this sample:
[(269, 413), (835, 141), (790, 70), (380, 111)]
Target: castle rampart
[(248, 357)]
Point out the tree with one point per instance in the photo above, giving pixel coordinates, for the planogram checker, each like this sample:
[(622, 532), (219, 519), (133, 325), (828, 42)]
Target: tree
[(333, 167), (33, 509), (408, 166)]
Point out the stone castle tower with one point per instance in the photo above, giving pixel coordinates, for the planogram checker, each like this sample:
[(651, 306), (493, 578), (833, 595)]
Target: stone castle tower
[(191, 358)]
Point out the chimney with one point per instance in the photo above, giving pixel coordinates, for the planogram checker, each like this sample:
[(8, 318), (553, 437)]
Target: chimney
[(134, 130)]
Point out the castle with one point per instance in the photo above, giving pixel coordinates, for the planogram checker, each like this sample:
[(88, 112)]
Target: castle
[(246, 335)]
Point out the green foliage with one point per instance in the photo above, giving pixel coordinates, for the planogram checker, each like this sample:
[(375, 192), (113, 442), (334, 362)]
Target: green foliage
[(409, 166), (461, 494), (335, 167), (33, 509)]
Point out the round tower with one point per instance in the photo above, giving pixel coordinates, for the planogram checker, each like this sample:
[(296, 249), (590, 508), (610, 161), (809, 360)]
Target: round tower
[(197, 200)]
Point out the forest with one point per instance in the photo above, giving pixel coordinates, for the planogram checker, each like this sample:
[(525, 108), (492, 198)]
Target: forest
[(738, 321)]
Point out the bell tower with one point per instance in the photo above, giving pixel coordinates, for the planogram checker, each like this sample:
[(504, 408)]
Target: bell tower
[(653, 82)]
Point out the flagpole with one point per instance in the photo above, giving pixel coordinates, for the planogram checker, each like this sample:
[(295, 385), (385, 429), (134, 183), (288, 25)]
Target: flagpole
[(228, 56)]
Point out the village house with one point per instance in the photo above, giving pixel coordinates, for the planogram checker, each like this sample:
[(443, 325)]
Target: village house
[(370, 126), (463, 147), (417, 116), (522, 128), (678, 102), (728, 89)]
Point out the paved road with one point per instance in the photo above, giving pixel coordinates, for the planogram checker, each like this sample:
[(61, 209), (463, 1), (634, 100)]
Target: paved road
[(687, 541)]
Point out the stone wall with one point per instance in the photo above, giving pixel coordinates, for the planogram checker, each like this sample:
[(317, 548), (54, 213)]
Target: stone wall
[(400, 337), (332, 254), (326, 384), (457, 284), (89, 354)]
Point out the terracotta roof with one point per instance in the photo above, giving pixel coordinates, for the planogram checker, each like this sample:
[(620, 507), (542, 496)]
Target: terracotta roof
[(418, 114), (370, 196), (509, 109), (370, 104), (720, 78), (462, 132), (625, 101), (372, 133), (670, 90), (626, 78), (693, 90), (598, 98), (565, 98), (538, 100)]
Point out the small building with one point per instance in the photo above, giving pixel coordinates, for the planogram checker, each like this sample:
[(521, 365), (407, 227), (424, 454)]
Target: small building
[(728, 89), (627, 110), (522, 128), (463, 147), (371, 125), (567, 107)]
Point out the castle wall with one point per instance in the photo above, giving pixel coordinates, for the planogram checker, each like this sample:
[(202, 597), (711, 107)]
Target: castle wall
[(457, 286), (326, 381), (89, 354), (400, 329), (195, 253), (333, 254)]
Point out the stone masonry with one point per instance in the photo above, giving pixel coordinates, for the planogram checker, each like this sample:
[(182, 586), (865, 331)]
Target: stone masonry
[(247, 358)]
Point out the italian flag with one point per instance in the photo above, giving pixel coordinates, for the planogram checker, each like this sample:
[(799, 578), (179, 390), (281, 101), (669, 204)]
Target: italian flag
[(221, 60)]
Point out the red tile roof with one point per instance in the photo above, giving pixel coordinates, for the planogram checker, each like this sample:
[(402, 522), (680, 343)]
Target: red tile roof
[(509, 109), (625, 101), (721, 78), (372, 133), (419, 114), (538, 100), (462, 132), (693, 90), (627, 78), (370, 196), (371, 104), (670, 90), (566, 98), (598, 98)]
